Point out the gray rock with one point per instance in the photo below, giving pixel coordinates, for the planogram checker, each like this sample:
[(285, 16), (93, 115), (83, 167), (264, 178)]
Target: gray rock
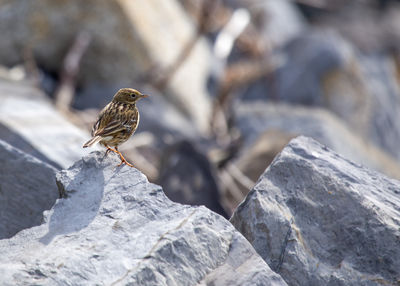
[(323, 69), (115, 228), (381, 80), (27, 188), (310, 56), (319, 219), (256, 118), (282, 20), (365, 94), (371, 28), (14, 139), (29, 121)]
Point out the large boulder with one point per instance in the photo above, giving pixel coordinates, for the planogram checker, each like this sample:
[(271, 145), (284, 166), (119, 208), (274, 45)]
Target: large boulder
[(27, 188), (319, 219), (114, 227)]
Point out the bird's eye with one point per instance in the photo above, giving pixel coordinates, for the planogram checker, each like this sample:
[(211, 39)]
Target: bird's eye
[(133, 95)]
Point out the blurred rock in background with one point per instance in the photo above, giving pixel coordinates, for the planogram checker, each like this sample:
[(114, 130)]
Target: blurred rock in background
[(188, 177), (130, 40), (31, 123)]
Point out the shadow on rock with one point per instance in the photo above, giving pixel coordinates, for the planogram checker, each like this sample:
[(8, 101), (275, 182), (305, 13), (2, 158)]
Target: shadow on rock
[(79, 208), (188, 177)]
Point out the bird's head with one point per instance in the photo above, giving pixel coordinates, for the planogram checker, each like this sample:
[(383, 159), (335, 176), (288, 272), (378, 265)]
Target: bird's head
[(128, 95)]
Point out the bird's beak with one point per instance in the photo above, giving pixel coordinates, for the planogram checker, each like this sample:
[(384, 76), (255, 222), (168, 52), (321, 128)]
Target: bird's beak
[(145, 95)]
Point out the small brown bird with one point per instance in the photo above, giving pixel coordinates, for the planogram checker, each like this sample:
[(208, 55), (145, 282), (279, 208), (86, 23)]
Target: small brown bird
[(117, 121)]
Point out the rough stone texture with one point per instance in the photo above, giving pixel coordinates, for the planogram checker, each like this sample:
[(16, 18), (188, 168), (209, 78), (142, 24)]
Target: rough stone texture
[(129, 38), (256, 118), (319, 219), (27, 188), (38, 128), (115, 228)]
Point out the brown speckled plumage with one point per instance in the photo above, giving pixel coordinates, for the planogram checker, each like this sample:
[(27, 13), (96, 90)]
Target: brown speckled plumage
[(117, 121)]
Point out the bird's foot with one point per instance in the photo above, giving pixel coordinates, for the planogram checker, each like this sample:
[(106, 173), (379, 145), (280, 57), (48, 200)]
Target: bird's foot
[(123, 160)]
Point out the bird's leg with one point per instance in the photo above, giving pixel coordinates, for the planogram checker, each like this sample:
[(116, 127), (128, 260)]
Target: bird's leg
[(123, 160), (110, 149)]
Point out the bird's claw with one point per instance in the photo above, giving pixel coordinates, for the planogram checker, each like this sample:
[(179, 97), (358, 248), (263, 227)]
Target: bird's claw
[(126, 163), (123, 160)]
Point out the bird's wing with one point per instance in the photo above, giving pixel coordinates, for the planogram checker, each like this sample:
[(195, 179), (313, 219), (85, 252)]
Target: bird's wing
[(110, 124), (111, 128), (101, 120)]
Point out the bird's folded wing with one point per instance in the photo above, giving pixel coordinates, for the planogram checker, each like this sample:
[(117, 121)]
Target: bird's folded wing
[(111, 128)]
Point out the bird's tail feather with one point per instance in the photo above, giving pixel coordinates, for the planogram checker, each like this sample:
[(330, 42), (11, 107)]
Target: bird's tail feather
[(92, 141)]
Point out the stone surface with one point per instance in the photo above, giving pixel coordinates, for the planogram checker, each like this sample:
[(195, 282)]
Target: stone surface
[(319, 219), (365, 93), (310, 56), (115, 228), (30, 122), (27, 188), (381, 80), (129, 39), (256, 118)]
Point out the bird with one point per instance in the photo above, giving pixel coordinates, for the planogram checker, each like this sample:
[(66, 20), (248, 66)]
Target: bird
[(117, 122)]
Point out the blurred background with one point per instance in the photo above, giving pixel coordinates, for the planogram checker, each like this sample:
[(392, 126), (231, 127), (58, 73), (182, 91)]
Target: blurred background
[(231, 82)]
